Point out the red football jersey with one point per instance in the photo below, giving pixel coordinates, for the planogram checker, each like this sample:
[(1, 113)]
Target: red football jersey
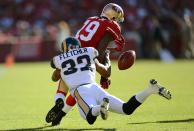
[(94, 29)]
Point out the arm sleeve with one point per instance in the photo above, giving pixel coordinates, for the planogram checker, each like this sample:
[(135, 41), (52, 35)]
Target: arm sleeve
[(52, 64), (55, 63), (112, 32), (118, 38), (120, 43)]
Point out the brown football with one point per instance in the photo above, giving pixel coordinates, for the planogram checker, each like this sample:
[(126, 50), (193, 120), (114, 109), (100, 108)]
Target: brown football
[(126, 59)]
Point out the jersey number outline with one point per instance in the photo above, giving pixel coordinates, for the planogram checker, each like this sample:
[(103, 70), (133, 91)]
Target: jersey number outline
[(72, 65), (90, 29)]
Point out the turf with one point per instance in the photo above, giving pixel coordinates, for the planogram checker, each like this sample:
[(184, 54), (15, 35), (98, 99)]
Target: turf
[(27, 92)]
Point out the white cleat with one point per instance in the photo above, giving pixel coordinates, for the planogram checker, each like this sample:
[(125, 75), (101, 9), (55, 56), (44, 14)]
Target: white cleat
[(104, 108), (160, 90)]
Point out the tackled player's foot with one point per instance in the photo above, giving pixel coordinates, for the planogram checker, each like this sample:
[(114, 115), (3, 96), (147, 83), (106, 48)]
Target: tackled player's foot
[(104, 108), (159, 89), (58, 118), (52, 114)]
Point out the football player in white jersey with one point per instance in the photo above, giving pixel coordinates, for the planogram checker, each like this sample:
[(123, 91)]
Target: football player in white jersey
[(78, 67)]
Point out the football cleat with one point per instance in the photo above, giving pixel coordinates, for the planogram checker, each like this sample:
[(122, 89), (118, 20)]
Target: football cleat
[(104, 108), (160, 90), (52, 114), (165, 93), (58, 118)]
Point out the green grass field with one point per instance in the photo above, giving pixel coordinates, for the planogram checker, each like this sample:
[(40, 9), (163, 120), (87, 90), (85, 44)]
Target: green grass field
[(27, 93)]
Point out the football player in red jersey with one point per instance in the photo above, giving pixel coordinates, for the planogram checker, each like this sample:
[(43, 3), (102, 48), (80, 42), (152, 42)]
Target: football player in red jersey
[(96, 32)]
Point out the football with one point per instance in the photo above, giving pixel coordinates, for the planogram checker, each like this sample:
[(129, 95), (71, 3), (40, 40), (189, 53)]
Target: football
[(126, 59)]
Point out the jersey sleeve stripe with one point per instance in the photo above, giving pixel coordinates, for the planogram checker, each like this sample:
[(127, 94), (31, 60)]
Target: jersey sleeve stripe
[(115, 36)]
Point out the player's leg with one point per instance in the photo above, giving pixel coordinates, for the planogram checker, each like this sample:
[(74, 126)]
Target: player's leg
[(69, 103), (135, 101), (59, 101), (89, 106), (118, 106), (115, 104), (85, 103)]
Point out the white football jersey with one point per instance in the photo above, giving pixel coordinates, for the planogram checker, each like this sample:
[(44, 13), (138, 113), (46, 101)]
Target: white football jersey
[(77, 66)]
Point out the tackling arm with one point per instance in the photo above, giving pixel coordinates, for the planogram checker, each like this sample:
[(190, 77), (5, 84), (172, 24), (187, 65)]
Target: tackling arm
[(56, 73), (104, 70), (56, 76)]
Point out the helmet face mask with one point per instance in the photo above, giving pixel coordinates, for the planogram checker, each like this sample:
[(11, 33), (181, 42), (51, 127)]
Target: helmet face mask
[(113, 12), (71, 47), (69, 44)]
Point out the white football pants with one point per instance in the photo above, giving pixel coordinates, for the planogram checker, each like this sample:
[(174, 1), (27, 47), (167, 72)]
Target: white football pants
[(90, 95)]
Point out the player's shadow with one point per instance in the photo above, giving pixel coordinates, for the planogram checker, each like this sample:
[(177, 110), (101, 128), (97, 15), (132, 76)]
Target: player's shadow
[(59, 129), (167, 121)]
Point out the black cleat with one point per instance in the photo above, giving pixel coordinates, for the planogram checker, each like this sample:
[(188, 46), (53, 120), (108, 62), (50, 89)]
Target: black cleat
[(58, 118), (52, 114)]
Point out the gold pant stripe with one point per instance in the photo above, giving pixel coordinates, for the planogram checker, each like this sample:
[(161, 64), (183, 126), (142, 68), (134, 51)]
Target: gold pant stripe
[(82, 104)]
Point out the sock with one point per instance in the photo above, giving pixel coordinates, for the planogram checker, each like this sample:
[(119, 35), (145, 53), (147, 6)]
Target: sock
[(70, 101), (67, 108), (62, 92), (96, 110), (141, 96), (130, 106), (59, 94)]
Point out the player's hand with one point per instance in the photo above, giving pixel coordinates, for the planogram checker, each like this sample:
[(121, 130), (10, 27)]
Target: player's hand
[(107, 57), (105, 82), (107, 53), (120, 42)]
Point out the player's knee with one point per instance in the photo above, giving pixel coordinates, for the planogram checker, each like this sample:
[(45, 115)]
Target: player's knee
[(90, 118)]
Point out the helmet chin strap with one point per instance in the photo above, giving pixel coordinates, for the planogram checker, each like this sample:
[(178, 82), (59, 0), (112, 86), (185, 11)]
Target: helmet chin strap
[(102, 16)]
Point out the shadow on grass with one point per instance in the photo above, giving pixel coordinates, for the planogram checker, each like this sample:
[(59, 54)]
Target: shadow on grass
[(58, 129), (167, 121)]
